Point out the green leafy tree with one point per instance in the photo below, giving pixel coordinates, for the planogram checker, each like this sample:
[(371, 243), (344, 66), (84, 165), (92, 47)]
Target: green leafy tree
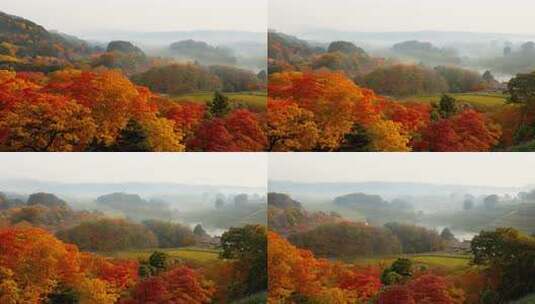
[(159, 260), (399, 271), (447, 235), (508, 256), (199, 231), (220, 106), (447, 106), (248, 247), (133, 138)]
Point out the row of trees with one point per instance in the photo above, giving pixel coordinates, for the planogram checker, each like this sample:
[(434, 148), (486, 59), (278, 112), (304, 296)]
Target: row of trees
[(177, 79), (108, 235), (347, 239), (408, 80)]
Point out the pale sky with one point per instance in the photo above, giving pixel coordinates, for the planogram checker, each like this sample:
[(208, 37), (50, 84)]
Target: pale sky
[(230, 169), (497, 16), (78, 17), (477, 169)]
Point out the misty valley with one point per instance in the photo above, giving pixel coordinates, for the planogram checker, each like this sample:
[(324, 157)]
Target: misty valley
[(391, 242), (198, 90), (173, 243), (425, 91)]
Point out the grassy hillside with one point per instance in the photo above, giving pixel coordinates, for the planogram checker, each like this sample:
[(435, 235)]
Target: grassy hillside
[(199, 255), (431, 260), (481, 101), (255, 101)]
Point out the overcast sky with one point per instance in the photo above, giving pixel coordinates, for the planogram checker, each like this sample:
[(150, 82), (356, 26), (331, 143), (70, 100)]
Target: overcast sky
[(511, 16), (489, 169), (78, 17), (232, 169)]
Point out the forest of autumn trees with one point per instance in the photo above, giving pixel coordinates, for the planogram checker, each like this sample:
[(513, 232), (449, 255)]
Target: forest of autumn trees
[(326, 111), (73, 110), (339, 98), (36, 267), (296, 276)]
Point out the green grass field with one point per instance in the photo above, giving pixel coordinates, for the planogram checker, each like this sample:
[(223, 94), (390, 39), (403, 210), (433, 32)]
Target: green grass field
[(431, 260), (255, 101), (199, 255), (484, 102), (526, 300)]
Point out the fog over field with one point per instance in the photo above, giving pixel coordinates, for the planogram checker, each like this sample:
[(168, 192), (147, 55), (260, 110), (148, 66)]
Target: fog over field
[(465, 192), (184, 185)]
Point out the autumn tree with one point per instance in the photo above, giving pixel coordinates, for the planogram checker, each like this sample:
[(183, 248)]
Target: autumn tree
[(181, 285), (335, 101), (45, 123), (466, 131), (241, 130), (289, 127)]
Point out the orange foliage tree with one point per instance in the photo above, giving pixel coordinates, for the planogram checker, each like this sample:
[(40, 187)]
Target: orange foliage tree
[(336, 102), (241, 130), (181, 285), (466, 131), (33, 263), (426, 288), (295, 273), (289, 127)]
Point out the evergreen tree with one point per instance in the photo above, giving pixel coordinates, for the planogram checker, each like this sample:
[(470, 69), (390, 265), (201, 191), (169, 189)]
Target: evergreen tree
[(447, 106), (133, 138), (219, 107)]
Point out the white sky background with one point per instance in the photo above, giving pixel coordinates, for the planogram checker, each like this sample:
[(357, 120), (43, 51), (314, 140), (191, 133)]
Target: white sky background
[(495, 16), (231, 169), (78, 17), (486, 169)]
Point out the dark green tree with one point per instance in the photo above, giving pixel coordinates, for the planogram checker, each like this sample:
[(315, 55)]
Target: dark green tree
[(447, 235), (399, 270), (133, 138), (248, 247), (357, 140), (219, 106), (447, 106), (62, 295), (199, 231), (159, 260), (509, 257)]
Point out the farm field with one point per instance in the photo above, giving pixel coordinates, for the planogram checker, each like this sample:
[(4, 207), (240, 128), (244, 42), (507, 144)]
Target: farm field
[(198, 255), (255, 101), (436, 259), (484, 102)]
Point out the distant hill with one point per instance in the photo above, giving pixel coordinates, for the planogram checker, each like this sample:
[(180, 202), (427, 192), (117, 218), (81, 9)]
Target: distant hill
[(165, 38), (200, 51), (24, 38), (383, 188), (23, 186), (389, 38)]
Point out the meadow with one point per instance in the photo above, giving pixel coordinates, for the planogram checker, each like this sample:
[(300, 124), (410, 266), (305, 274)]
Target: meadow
[(441, 260), (191, 254), (485, 102), (254, 100)]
